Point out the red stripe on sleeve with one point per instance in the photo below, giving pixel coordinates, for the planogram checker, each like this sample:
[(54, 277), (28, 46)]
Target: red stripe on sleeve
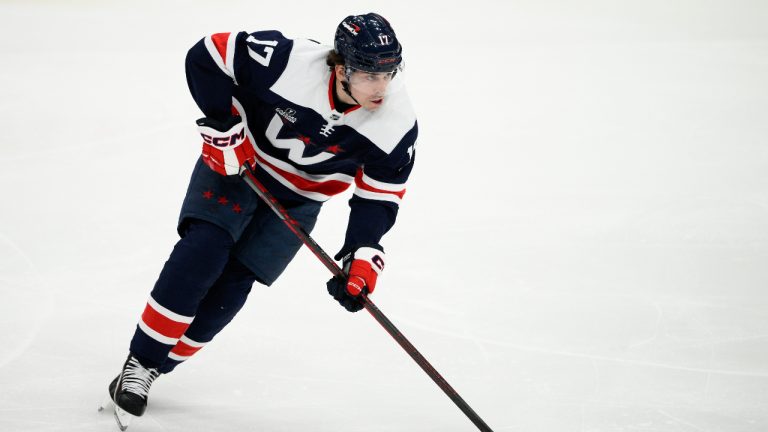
[(220, 41), (161, 324), (359, 182)]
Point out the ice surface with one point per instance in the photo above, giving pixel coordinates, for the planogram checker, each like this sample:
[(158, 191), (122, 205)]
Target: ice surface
[(583, 244)]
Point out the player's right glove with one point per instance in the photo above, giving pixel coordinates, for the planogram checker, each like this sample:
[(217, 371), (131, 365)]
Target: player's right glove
[(225, 145)]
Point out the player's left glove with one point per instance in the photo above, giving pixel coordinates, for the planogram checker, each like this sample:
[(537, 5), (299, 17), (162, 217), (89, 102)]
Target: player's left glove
[(225, 144), (362, 268)]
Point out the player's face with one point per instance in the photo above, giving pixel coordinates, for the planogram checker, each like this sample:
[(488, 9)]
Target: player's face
[(369, 89)]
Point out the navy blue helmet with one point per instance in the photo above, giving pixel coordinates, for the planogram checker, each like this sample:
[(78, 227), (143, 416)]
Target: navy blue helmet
[(368, 43)]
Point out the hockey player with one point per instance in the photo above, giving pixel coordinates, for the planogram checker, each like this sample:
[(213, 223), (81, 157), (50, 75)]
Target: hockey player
[(311, 121)]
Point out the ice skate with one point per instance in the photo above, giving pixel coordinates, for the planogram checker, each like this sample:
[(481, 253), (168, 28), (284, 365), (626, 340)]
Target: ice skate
[(129, 392)]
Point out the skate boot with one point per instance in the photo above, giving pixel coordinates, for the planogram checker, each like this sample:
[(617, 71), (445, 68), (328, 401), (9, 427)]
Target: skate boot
[(129, 391)]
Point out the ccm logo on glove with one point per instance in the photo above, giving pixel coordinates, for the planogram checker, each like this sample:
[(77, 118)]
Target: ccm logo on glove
[(225, 145), (224, 141)]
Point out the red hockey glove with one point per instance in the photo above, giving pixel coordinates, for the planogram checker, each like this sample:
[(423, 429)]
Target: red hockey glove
[(365, 265), (362, 268), (225, 144)]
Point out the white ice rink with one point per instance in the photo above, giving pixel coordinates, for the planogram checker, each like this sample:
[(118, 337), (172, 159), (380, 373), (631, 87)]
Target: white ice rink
[(583, 245)]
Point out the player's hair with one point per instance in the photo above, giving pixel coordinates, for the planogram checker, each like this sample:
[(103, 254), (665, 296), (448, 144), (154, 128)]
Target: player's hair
[(333, 58)]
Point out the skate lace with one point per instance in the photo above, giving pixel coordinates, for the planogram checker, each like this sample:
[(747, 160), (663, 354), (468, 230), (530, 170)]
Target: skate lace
[(137, 379)]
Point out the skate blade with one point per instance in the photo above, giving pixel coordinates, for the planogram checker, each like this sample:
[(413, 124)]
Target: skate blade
[(123, 418), (106, 403)]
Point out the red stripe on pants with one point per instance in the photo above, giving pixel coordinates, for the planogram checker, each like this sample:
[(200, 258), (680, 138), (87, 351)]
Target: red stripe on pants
[(184, 350), (162, 324)]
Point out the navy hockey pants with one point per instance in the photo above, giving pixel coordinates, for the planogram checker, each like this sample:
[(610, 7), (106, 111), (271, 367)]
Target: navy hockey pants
[(229, 241), (204, 285)]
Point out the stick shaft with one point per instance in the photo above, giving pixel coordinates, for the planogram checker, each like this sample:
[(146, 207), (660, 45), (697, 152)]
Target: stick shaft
[(250, 178)]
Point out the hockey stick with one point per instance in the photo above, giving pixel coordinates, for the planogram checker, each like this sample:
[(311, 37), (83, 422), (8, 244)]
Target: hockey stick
[(246, 171)]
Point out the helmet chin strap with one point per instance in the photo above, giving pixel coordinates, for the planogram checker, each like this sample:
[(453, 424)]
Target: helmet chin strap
[(345, 84), (345, 87)]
